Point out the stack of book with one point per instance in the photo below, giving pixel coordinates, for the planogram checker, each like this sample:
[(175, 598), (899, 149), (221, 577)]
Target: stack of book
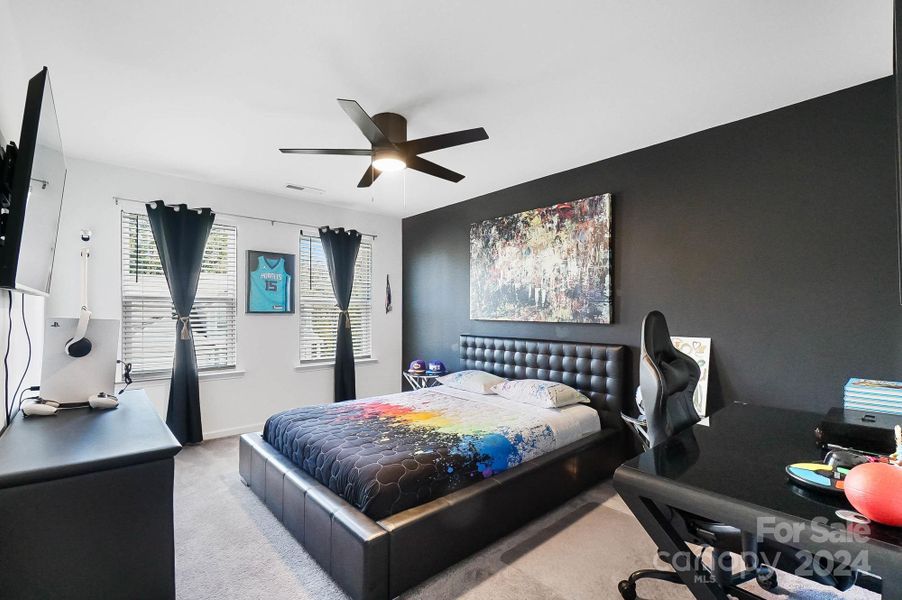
[(872, 395)]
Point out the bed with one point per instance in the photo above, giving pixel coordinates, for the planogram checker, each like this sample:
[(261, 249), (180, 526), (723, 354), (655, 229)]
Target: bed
[(378, 540)]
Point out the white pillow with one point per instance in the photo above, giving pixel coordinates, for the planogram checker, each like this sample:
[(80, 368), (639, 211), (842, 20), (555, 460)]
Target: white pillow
[(480, 382), (537, 392)]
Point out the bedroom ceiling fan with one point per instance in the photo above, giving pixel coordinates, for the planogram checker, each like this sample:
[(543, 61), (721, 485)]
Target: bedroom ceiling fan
[(390, 149)]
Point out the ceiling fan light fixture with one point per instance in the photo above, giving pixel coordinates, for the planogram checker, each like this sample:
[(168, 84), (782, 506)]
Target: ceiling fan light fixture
[(388, 160), (390, 150)]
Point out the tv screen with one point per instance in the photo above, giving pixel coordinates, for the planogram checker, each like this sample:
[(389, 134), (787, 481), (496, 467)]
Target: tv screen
[(31, 219)]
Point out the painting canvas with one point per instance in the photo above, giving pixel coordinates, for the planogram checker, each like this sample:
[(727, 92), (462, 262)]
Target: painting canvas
[(550, 264), (270, 281), (699, 348)]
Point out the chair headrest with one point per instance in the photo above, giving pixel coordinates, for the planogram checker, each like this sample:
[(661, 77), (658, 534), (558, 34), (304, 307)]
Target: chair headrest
[(656, 336), (676, 369)]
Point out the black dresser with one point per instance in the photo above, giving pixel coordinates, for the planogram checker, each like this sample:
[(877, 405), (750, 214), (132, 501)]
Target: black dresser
[(86, 504)]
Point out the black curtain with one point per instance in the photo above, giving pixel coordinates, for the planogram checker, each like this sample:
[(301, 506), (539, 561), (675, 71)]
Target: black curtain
[(181, 236), (340, 248)]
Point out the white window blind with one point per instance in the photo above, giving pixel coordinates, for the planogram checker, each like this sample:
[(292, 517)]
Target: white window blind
[(318, 311), (148, 316)]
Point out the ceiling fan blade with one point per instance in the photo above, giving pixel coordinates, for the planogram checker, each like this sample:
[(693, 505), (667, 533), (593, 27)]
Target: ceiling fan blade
[(430, 168), (342, 151), (444, 140), (369, 177), (364, 123)]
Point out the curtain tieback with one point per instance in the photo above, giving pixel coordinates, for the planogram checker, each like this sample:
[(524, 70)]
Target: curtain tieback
[(347, 314), (186, 328)]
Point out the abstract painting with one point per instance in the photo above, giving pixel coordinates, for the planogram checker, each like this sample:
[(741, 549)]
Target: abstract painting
[(549, 264)]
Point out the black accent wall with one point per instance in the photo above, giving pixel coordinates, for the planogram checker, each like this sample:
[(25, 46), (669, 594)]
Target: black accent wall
[(774, 235)]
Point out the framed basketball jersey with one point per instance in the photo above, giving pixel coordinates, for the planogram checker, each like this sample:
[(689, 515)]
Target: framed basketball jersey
[(270, 282)]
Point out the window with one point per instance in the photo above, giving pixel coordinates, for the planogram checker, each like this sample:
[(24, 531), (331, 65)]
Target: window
[(148, 317), (319, 314)]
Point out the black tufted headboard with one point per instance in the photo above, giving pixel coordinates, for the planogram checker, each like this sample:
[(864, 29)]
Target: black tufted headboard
[(596, 370)]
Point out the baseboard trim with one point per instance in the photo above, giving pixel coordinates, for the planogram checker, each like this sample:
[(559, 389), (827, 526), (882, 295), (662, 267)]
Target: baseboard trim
[(221, 433)]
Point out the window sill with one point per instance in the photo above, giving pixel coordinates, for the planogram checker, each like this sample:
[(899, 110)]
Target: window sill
[(202, 376), (316, 366)]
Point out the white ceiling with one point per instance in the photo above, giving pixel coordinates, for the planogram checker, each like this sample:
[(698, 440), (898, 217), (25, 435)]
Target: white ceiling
[(209, 89)]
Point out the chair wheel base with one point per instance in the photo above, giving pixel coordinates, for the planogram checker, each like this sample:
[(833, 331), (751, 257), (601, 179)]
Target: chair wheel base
[(627, 590), (766, 578)]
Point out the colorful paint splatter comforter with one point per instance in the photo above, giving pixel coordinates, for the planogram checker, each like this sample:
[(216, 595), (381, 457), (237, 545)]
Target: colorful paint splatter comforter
[(389, 453)]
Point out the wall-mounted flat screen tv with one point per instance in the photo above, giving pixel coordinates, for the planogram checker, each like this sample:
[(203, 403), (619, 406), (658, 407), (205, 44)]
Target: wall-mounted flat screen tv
[(31, 203)]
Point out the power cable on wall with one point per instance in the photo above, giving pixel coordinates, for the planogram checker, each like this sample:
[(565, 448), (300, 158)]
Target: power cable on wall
[(9, 336), (11, 410)]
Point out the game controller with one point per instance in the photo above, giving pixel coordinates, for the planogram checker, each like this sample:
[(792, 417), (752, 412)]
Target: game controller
[(103, 400), (41, 409)]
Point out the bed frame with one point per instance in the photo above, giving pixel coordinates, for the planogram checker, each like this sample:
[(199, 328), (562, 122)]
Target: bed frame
[(381, 559)]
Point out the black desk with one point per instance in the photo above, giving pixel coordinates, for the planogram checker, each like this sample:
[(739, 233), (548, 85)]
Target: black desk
[(86, 504), (732, 471)]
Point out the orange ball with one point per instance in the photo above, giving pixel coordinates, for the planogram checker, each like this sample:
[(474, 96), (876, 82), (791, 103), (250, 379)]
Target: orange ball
[(875, 490)]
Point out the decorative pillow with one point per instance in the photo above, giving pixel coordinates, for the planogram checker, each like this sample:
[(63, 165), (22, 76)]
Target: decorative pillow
[(546, 394), (480, 382)]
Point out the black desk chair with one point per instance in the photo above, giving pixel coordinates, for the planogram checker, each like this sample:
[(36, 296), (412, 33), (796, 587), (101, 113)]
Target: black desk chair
[(667, 381)]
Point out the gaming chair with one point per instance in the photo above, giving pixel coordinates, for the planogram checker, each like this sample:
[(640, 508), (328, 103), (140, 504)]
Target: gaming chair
[(667, 382)]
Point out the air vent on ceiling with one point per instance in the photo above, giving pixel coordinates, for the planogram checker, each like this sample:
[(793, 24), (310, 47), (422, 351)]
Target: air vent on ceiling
[(304, 188)]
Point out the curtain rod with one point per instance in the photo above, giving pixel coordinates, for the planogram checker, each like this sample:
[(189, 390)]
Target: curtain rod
[(118, 199)]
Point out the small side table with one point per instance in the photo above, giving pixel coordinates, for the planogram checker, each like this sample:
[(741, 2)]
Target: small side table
[(421, 381)]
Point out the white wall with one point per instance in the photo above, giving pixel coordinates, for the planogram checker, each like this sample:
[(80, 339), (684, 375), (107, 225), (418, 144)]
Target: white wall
[(267, 344), (267, 380)]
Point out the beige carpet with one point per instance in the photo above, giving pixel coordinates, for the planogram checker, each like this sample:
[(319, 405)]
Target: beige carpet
[(228, 545)]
